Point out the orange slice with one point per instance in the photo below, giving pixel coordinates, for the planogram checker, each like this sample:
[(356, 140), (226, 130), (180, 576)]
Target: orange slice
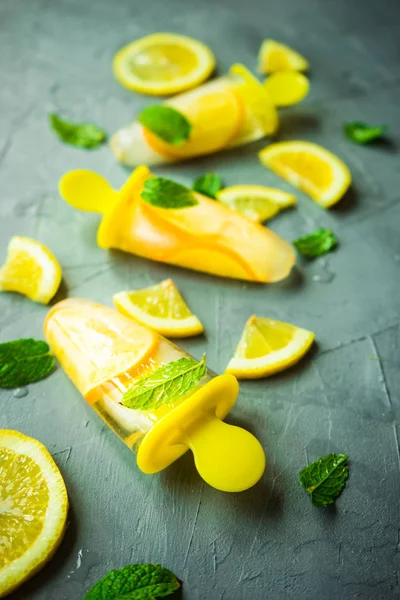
[(95, 343)]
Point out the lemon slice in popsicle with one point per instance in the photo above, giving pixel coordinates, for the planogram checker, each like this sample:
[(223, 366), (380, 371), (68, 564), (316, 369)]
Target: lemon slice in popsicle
[(160, 307), (33, 508), (30, 269), (163, 63), (257, 202), (267, 347)]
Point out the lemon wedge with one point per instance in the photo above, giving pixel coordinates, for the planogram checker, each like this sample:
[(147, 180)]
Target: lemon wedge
[(257, 202), (30, 269), (274, 56), (33, 508), (160, 307), (309, 167), (163, 63), (267, 347), (287, 89)]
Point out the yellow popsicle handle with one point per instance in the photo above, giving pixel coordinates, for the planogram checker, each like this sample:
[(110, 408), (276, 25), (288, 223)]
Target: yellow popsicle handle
[(86, 190), (228, 458), (286, 88)]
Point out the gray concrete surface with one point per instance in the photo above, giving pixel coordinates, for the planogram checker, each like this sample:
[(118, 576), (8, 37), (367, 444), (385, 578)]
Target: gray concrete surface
[(269, 542)]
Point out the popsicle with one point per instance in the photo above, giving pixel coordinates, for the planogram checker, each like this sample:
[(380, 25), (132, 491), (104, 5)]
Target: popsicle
[(203, 235), (153, 395), (228, 111)]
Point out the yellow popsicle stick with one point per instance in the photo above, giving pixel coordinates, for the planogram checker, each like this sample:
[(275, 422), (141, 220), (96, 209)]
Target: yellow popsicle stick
[(86, 190), (287, 88), (227, 457)]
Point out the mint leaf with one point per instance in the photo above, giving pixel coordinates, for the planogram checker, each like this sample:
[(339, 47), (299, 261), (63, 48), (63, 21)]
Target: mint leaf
[(317, 243), (165, 193), (362, 133), (135, 582), (165, 384), (325, 478), (24, 361), (84, 135), (167, 123), (208, 184)]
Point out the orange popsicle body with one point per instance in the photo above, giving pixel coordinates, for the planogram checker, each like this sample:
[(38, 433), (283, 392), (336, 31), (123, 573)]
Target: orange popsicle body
[(208, 237), (106, 353)]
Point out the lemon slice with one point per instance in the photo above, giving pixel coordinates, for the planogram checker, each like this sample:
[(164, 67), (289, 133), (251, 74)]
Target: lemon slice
[(274, 56), (309, 167), (257, 202), (267, 347), (33, 508), (30, 269), (163, 63), (287, 89), (160, 307)]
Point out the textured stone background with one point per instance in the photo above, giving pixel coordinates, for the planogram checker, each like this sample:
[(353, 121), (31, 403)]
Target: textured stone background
[(269, 542)]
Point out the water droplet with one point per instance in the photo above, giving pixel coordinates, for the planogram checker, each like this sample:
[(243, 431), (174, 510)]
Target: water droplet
[(85, 561), (21, 392), (86, 423), (321, 272)]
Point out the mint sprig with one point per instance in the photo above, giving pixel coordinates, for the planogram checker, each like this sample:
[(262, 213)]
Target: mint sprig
[(325, 478), (166, 122), (83, 135), (208, 184), (135, 582), (166, 384), (24, 361), (165, 193), (317, 243), (362, 133)]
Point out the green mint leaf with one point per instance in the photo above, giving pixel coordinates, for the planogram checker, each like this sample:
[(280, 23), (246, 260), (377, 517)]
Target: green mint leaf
[(167, 123), (135, 582), (208, 184), (325, 478), (84, 135), (362, 133), (317, 243), (165, 193), (24, 361), (166, 384)]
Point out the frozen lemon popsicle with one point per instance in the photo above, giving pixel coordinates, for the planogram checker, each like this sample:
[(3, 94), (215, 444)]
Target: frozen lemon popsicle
[(226, 112), (153, 395), (164, 221)]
